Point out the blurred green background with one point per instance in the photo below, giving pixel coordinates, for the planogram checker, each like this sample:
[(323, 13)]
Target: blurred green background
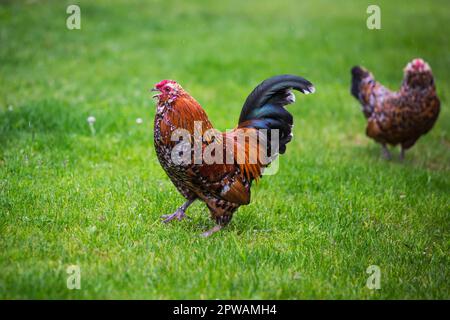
[(68, 197)]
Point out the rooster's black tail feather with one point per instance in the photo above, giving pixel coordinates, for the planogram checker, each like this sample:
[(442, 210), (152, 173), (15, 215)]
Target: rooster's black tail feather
[(264, 107)]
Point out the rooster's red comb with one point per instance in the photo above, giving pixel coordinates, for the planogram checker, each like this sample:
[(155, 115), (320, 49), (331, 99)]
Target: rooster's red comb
[(163, 83)]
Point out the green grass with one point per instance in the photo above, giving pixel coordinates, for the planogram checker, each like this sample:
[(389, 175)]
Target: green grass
[(334, 208)]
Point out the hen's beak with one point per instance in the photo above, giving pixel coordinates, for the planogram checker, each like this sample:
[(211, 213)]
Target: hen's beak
[(155, 90)]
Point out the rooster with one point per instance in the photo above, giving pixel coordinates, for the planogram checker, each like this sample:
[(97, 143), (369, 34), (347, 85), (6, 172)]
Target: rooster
[(398, 117), (224, 185)]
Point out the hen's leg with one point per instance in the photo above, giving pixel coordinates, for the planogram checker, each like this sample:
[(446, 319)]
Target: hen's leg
[(405, 146), (385, 152), (179, 214), (402, 154)]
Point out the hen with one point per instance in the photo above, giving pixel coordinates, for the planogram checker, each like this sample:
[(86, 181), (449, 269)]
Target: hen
[(398, 117), (222, 185)]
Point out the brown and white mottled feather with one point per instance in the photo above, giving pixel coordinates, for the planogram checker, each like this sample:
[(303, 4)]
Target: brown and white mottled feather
[(398, 117)]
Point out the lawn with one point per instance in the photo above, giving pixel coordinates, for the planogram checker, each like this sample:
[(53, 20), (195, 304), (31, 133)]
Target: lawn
[(69, 196)]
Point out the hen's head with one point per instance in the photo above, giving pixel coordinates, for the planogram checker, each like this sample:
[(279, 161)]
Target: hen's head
[(418, 74), (168, 90)]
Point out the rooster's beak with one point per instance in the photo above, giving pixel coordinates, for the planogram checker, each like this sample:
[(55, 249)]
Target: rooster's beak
[(153, 90)]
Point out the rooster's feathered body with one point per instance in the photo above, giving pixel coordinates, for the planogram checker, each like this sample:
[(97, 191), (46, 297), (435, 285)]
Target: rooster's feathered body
[(398, 117), (223, 186)]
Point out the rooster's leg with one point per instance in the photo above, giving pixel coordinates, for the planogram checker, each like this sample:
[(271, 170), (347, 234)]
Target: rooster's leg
[(385, 152), (179, 214), (221, 221), (214, 229)]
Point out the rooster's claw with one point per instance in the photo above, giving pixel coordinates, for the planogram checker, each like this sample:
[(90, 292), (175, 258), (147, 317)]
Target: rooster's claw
[(179, 214)]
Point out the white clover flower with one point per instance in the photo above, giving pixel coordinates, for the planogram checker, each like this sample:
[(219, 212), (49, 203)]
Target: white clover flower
[(10, 108), (139, 120), (91, 119)]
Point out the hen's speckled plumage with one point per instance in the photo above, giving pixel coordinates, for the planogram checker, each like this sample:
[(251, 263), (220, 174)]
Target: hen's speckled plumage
[(398, 117)]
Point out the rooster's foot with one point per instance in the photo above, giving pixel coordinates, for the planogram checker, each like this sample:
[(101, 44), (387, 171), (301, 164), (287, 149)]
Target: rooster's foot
[(211, 231), (385, 152), (179, 214)]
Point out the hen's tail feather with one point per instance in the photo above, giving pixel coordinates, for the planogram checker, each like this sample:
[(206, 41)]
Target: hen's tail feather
[(358, 74), (264, 107), (362, 87)]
